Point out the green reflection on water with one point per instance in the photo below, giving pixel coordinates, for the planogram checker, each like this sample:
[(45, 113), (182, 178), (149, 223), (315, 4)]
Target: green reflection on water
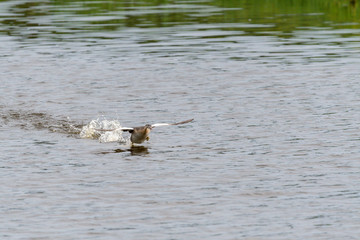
[(274, 16)]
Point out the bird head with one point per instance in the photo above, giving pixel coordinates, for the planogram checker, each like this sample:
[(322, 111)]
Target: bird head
[(148, 126)]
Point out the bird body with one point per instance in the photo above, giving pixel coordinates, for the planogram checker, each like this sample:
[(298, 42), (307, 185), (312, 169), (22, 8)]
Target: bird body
[(140, 134)]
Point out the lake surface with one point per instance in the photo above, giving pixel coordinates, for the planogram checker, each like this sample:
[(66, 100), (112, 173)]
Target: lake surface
[(273, 152)]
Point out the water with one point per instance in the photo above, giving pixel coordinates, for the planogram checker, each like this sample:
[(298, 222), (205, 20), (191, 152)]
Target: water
[(273, 151)]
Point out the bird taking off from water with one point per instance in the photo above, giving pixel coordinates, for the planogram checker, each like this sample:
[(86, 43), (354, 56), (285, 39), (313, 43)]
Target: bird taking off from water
[(140, 134)]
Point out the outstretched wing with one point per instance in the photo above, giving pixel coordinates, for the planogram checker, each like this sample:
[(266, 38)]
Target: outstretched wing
[(125, 129), (183, 122), (169, 124), (160, 124)]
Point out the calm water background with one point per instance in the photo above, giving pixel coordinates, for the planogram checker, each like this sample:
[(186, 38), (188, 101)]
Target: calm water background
[(274, 89)]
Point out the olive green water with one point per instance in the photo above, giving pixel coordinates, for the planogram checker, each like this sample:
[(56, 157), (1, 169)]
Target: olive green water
[(273, 152)]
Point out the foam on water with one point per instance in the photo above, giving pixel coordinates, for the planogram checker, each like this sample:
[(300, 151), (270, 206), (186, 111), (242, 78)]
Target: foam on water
[(93, 131)]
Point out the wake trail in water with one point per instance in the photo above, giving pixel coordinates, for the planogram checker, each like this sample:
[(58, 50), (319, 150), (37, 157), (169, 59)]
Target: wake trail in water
[(28, 120), (36, 120)]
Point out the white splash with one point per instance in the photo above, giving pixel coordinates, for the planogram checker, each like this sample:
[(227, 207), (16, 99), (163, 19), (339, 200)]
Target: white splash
[(93, 131)]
